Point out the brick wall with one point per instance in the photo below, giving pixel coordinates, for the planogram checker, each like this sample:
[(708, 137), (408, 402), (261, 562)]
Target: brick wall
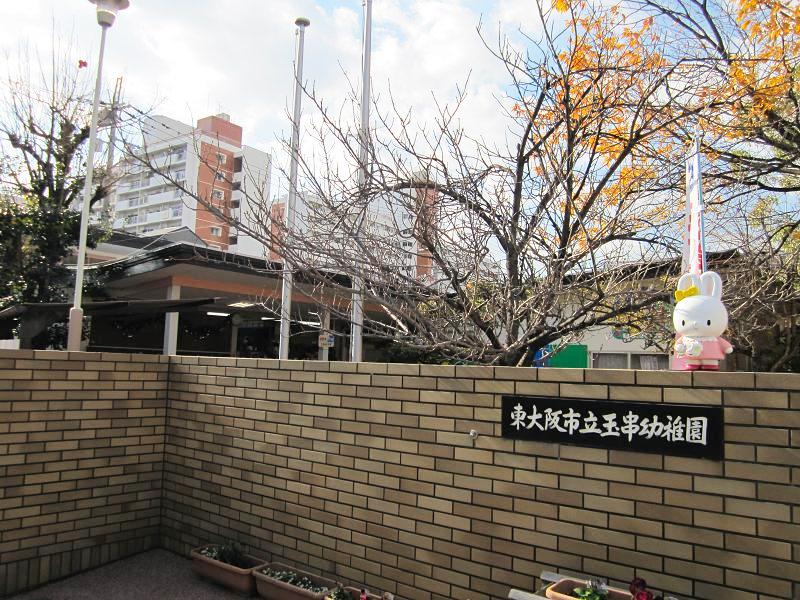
[(368, 472), (81, 458)]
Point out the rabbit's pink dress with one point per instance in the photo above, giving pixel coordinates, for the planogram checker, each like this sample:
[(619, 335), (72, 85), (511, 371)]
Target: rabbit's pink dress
[(713, 348)]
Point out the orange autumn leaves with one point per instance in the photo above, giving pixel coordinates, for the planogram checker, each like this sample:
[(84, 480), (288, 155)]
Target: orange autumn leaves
[(603, 116), (766, 68), (618, 77)]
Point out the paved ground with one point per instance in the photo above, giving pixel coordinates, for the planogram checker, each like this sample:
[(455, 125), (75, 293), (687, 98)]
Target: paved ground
[(152, 575)]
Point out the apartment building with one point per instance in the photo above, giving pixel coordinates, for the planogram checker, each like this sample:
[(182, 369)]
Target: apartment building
[(210, 161), (389, 228)]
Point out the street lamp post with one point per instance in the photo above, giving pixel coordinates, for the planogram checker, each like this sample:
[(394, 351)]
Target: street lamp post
[(286, 291), (106, 13)]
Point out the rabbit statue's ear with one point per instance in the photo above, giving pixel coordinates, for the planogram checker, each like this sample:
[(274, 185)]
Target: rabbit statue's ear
[(688, 280), (711, 284)]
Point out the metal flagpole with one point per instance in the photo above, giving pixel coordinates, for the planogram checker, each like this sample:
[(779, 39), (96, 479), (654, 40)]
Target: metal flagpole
[(357, 317), (286, 291)]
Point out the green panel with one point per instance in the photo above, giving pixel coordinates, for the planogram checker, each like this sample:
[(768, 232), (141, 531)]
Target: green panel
[(571, 355)]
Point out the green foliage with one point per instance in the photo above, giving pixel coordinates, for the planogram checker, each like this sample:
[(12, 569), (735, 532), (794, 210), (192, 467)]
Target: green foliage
[(229, 553), (591, 591), (33, 243), (339, 593), (295, 579), (43, 141)]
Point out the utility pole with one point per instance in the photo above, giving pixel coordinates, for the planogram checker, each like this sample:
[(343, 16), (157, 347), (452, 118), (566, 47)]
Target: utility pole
[(357, 301), (112, 139), (286, 290)]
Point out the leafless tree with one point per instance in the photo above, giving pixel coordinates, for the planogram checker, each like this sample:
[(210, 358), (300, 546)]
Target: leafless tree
[(489, 251), (45, 111)]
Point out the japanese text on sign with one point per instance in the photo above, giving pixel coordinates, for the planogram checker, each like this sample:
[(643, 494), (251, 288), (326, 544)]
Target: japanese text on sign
[(688, 429), (679, 429)]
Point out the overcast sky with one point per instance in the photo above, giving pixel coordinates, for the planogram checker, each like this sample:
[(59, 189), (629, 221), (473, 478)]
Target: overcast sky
[(189, 58)]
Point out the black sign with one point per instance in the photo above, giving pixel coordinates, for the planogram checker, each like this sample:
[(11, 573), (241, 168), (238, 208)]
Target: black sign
[(677, 429)]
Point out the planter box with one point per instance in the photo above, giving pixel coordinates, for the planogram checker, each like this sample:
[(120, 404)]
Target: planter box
[(234, 578), (562, 590), (272, 589), (355, 594)]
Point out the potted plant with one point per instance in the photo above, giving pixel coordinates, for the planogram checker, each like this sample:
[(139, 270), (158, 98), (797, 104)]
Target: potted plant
[(277, 581), (350, 593), (639, 591), (572, 589), (227, 565), (338, 593)]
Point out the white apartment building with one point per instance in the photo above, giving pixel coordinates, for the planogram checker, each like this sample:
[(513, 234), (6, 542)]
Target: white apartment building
[(389, 229), (208, 160)]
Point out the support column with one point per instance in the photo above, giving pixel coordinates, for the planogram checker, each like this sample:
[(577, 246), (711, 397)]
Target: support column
[(236, 320), (324, 327), (171, 322)]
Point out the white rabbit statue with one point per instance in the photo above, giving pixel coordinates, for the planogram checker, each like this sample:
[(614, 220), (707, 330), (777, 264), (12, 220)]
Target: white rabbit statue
[(700, 319)]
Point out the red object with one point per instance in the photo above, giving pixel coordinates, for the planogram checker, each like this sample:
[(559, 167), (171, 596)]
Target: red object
[(82, 64), (563, 589)]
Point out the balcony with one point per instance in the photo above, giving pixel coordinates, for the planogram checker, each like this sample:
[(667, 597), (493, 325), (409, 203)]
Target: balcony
[(160, 198), (162, 215), (169, 160)]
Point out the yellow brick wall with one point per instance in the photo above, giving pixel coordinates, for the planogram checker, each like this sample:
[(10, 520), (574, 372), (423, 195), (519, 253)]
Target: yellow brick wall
[(81, 460), (367, 472)]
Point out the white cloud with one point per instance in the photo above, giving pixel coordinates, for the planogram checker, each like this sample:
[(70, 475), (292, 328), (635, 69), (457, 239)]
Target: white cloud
[(189, 58)]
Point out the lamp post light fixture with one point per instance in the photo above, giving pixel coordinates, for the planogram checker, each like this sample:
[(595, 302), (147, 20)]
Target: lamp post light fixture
[(106, 14), (287, 283)]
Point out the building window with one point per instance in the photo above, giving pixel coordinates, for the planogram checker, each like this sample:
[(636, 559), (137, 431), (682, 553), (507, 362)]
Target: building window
[(221, 158), (178, 175), (219, 176), (216, 231), (650, 362), (218, 194), (610, 360)]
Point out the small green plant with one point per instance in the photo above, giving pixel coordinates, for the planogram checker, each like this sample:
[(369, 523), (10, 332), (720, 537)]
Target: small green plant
[(229, 553), (594, 590), (295, 579), (339, 593)]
